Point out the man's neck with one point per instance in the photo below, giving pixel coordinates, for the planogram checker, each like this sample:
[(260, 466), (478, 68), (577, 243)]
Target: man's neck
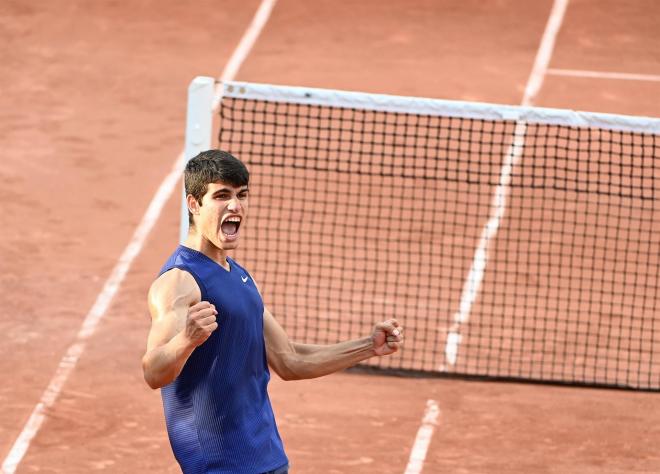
[(198, 242)]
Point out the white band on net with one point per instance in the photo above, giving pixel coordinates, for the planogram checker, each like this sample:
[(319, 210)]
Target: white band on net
[(439, 107)]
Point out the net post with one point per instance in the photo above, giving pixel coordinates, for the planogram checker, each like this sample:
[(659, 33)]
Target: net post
[(199, 122)]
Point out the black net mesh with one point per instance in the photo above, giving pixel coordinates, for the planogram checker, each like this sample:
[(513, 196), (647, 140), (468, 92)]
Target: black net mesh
[(549, 272)]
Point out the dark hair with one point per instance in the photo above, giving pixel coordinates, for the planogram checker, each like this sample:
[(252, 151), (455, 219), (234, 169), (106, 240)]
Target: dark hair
[(209, 167)]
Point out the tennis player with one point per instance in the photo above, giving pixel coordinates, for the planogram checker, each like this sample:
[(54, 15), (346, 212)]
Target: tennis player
[(212, 340)]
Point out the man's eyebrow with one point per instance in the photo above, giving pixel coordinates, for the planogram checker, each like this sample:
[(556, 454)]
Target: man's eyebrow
[(228, 190)]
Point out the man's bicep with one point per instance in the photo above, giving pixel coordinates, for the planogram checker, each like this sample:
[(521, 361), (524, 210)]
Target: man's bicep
[(275, 336), (170, 297)]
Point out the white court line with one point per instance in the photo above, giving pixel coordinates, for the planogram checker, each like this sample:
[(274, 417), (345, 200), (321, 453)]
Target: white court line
[(544, 53), (114, 281), (423, 438), (244, 47), (476, 274), (604, 75), (498, 205)]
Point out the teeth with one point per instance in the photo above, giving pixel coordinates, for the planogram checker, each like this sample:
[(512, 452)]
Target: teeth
[(233, 219)]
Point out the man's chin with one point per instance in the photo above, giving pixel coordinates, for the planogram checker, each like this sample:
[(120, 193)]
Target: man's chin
[(228, 244)]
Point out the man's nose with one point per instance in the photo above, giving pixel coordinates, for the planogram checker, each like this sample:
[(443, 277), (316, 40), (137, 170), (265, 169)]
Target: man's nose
[(234, 205)]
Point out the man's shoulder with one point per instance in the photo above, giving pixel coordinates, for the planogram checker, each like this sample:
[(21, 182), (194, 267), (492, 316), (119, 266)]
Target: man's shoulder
[(178, 258), (174, 275), (174, 283)]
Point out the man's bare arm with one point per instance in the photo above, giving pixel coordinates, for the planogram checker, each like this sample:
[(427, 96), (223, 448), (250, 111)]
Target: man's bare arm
[(293, 361), (179, 323)]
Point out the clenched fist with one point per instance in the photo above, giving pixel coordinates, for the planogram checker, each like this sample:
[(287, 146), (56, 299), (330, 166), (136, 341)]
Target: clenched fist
[(387, 337), (200, 323)]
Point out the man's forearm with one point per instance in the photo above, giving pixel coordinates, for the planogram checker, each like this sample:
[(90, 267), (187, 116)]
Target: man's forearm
[(308, 361), (163, 364)]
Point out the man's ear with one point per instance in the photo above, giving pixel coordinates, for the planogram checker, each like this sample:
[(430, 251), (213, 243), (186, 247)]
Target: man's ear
[(193, 205)]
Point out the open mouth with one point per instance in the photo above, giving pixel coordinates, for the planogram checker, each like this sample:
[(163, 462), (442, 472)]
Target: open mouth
[(230, 227)]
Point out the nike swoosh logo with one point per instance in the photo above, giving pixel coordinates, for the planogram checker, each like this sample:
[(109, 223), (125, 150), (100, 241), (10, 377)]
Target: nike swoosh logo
[(245, 279)]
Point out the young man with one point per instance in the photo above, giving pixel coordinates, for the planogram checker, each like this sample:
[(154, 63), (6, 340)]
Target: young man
[(211, 339)]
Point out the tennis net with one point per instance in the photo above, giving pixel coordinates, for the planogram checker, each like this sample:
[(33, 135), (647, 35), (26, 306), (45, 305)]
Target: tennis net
[(511, 242)]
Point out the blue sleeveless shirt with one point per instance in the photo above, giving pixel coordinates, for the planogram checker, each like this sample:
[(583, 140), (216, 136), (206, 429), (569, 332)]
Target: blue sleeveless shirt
[(218, 414)]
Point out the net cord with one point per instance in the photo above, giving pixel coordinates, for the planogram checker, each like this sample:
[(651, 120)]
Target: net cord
[(438, 107)]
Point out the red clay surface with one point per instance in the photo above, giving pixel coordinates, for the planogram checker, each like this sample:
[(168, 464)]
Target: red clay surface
[(92, 117)]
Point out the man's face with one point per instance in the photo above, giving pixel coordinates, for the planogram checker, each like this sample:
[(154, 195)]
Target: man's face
[(222, 213)]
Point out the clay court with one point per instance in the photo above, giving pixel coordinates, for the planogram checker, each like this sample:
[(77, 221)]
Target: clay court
[(92, 121)]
